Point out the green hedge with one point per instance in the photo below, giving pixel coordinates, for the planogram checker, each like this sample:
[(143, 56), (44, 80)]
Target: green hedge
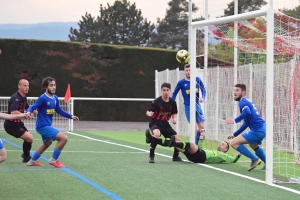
[(93, 70)]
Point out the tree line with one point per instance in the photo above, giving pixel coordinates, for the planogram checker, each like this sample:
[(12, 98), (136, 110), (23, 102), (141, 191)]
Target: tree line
[(122, 23)]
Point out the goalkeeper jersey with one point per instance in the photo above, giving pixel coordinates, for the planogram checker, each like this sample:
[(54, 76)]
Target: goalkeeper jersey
[(184, 86), (46, 107), (215, 156)]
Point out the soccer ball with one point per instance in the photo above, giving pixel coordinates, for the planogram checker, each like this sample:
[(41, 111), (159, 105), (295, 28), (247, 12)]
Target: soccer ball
[(183, 56)]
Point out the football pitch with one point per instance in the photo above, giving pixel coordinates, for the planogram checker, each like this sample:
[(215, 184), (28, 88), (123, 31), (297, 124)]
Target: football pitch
[(114, 165)]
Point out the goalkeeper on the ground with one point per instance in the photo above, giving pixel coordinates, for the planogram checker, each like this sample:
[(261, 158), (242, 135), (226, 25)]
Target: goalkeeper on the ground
[(199, 154)]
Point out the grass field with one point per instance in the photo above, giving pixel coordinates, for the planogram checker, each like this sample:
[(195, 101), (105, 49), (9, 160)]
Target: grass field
[(114, 165)]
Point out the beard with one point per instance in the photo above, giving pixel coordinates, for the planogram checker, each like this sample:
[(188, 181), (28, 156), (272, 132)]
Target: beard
[(238, 98), (49, 91)]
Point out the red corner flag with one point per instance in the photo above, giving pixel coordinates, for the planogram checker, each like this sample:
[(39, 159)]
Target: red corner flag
[(68, 94)]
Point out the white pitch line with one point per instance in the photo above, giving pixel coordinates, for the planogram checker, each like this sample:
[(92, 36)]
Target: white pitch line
[(104, 152), (204, 165)]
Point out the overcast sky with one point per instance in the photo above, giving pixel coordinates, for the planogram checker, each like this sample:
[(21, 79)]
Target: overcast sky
[(38, 11)]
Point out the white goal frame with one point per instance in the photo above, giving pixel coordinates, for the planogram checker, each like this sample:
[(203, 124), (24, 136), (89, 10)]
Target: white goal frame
[(269, 74)]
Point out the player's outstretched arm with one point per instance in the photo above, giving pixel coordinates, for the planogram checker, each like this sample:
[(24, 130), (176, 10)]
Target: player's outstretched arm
[(14, 116)]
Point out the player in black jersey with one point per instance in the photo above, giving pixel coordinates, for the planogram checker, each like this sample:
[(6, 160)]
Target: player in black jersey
[(162, 109), (18, 104)]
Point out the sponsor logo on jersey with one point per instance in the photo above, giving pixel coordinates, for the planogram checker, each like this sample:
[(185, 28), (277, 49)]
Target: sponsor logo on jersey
[(50, 111)]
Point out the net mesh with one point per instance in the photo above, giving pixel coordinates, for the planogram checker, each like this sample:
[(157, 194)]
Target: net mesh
[(251, 70), (219, 79)]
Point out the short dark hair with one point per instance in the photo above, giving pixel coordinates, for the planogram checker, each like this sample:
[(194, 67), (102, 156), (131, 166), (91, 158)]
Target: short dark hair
[(227, 145), (46, 81), (167, 85), (187, 66), (242, 86)]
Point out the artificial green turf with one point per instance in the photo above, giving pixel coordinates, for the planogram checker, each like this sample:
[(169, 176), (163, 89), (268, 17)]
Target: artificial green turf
[(125, 172)]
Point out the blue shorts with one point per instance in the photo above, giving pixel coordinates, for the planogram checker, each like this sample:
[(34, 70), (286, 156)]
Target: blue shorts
[(47, 132), (1, 144), (255, 137), (199, 113)]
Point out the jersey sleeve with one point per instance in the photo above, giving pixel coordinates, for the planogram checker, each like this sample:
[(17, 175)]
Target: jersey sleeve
[(174, 108), (240, 130), (176, 90), (152, 106), (201, 144), (36, 105), (27, 106), (228, 158), (60, 111), (245, 112), (15, 103), (202, 88)]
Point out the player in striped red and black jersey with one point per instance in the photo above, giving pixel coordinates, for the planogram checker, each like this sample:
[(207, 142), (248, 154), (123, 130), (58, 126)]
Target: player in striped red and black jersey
[(162, 109), (18, 104)]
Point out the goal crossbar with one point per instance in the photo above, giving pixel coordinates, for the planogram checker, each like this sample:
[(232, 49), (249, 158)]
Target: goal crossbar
[(231, 18)]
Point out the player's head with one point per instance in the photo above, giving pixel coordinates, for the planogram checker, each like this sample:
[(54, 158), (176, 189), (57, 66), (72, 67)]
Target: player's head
[(165, 90), (239, 91), (223, 146), (187, 71), (49, 84), (23, 86)]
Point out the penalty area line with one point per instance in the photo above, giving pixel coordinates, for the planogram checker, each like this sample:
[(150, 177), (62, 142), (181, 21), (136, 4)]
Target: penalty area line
[(204, 165)]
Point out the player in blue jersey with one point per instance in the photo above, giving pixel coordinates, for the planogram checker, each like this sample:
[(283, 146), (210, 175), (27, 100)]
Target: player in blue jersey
[(184, 86), (257, 127), (47, 104), (3, 154)]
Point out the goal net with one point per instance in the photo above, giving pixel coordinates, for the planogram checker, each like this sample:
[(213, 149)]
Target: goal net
[(59, 122), (237, 53)]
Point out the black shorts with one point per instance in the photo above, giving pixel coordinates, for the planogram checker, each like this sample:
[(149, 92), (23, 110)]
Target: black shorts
[(198, 157), (167, 131), (16, 129)]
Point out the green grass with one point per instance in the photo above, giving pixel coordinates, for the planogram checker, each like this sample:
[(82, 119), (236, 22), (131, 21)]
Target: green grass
[(126, 173)]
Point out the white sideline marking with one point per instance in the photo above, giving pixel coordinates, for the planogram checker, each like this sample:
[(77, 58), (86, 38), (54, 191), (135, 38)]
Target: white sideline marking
[(204, 165), (104, 152)]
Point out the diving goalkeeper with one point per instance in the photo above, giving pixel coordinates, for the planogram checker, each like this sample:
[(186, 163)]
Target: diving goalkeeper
[(199, 154)]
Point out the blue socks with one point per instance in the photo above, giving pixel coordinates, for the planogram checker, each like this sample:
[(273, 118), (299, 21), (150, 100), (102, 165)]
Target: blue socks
[(246, 152), (260, 153), (197, 137), (56, 153), (36, 156)]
